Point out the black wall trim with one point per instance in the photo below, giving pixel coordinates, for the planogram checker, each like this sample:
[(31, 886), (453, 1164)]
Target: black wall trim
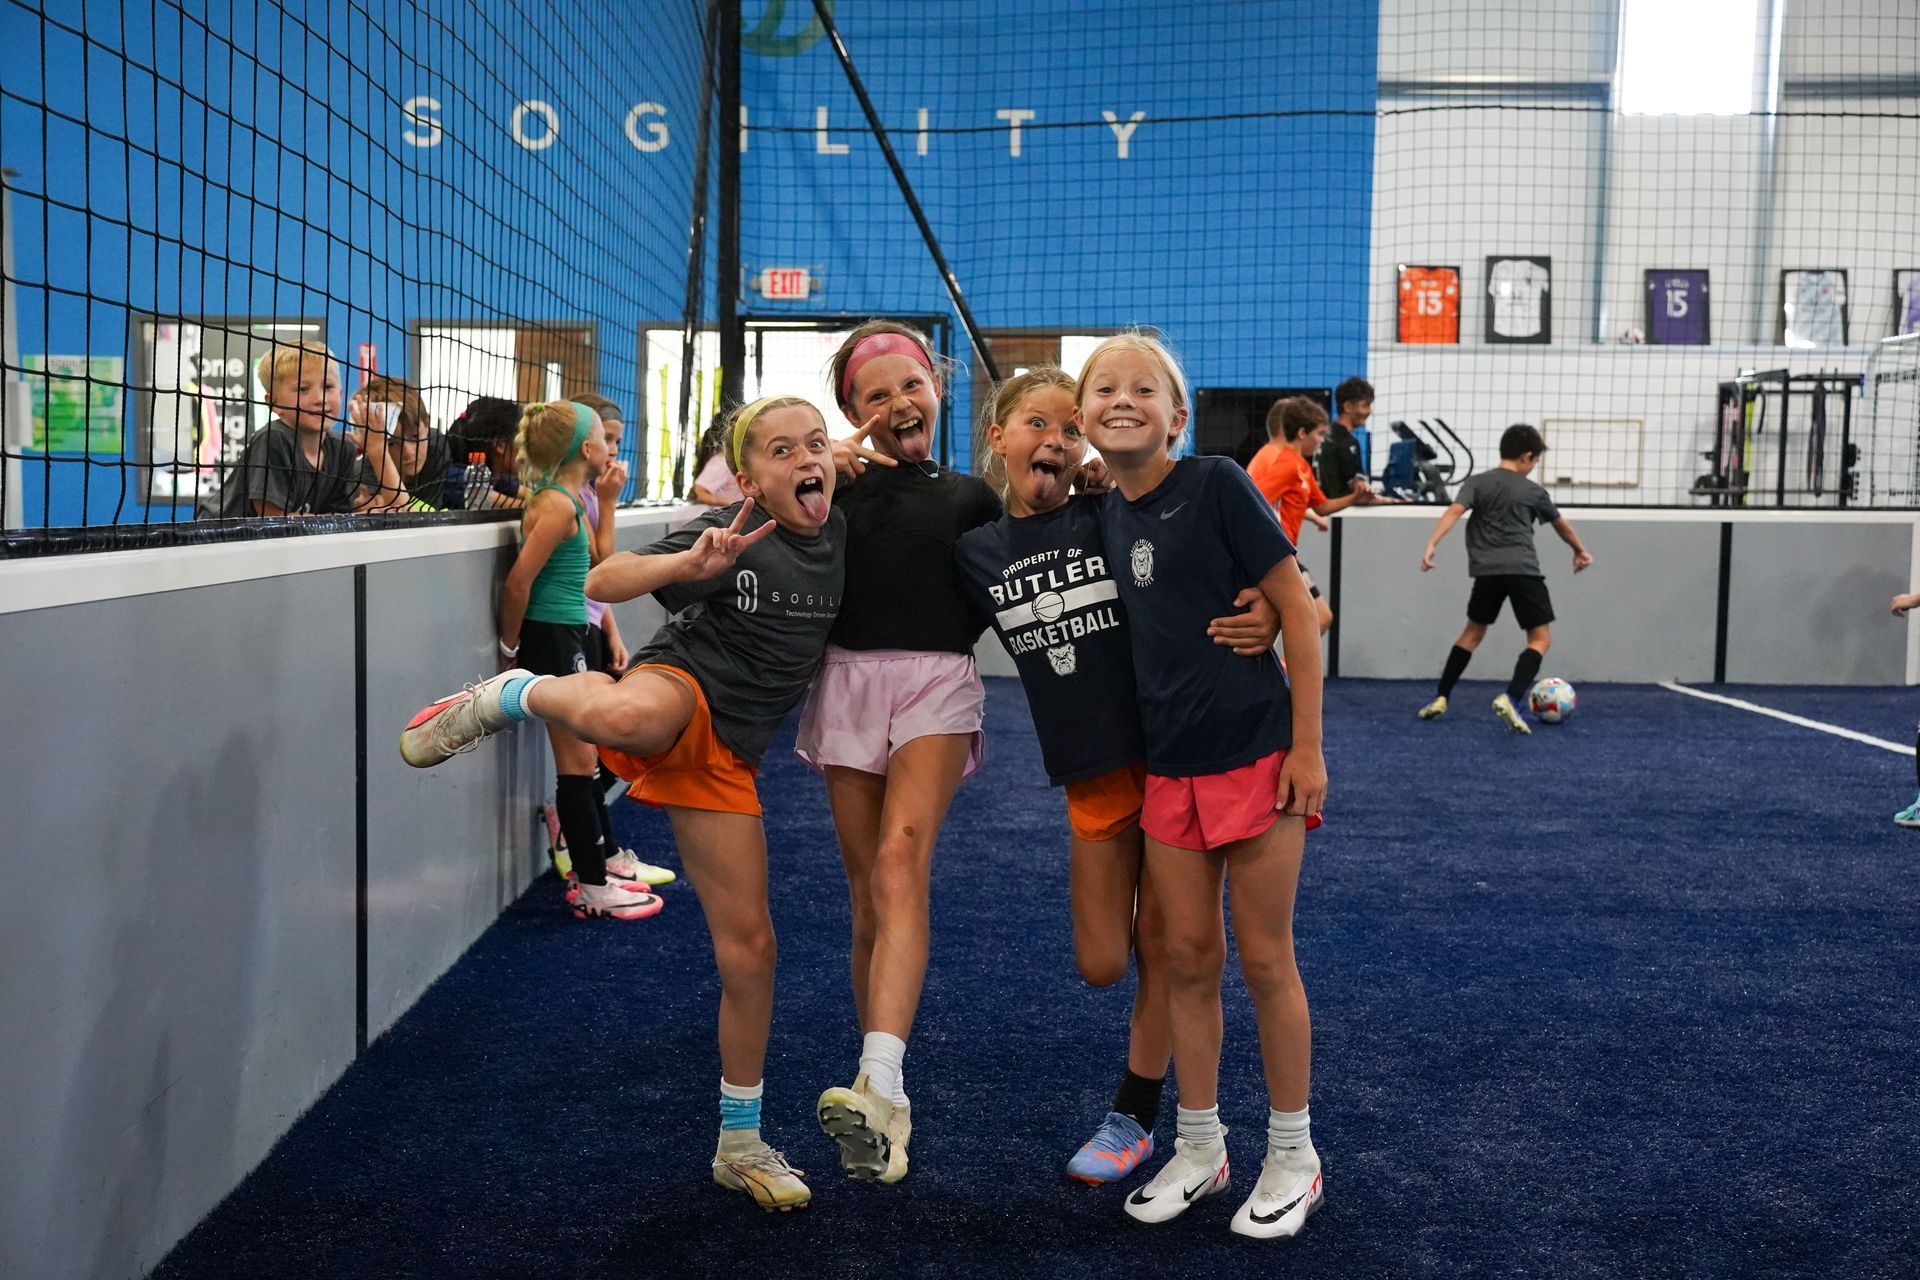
[(1333, 601), (360, 809), (1720, 607)]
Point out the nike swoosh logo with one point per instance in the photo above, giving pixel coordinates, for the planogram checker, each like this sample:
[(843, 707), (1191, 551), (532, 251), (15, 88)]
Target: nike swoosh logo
[(1268, 1219), (1191, 1192), (1170, 512)]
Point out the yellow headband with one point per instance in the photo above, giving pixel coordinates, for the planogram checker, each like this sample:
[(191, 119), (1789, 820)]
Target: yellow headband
[(741, 423)]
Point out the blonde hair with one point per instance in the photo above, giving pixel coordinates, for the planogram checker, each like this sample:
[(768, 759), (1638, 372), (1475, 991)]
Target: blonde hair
[(837, 366), (1005, 399), (736, 449), (545, 438), (1144, 343), (285, 355)]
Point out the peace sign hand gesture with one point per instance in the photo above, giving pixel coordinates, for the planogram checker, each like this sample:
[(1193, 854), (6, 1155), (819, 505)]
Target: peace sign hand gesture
[(717, 549), (850, 457)]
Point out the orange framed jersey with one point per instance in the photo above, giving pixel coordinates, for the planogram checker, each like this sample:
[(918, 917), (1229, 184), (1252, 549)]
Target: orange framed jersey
[(1429, 304)]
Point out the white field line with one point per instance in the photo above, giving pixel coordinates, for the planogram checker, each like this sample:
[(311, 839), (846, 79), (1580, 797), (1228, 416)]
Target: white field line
[(1834, 729)]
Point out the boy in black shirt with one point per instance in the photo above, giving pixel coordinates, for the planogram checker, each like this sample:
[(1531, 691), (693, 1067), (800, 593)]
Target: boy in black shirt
[(1504, 566), (298, 464)]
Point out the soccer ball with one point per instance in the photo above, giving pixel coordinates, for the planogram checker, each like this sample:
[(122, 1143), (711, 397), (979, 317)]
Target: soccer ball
[(1552, 700)]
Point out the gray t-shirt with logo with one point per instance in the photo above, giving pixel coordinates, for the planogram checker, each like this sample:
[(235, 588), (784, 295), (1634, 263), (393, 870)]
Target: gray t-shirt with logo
[(754, 636), (1505, 506)]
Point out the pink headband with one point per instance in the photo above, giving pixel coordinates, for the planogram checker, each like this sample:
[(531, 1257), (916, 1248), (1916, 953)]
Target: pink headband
[(874, 346)]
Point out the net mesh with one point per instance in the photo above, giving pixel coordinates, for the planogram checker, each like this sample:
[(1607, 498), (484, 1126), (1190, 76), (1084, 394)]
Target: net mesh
[(1675, 250)]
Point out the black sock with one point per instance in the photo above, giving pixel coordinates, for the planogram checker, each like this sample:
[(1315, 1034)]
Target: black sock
[(573, 796), (1525, 668), (1138, 1098), (1457, 660), (606, 818)]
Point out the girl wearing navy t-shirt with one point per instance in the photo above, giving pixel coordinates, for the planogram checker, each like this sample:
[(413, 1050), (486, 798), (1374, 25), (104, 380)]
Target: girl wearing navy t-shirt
[(1040, 576), (893, 720), (1234, 771)]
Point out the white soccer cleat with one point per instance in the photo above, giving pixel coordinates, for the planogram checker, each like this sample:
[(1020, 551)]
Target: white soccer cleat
[(1435, 709), (1509, 716), (457, 722), (1192, 1174), (624, 865), (764, 1174), (861, 1121), (1286, 1194)]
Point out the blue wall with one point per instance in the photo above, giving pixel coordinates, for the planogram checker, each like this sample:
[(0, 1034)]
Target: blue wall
[(240, 160), (1245, 240), (244, 160)]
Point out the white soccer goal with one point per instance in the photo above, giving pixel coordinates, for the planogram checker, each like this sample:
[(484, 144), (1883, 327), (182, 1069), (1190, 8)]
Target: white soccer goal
[(1890, 440)]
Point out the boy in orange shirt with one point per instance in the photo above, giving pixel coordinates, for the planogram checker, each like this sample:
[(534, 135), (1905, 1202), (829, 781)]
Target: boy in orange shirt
[(1282, 470)]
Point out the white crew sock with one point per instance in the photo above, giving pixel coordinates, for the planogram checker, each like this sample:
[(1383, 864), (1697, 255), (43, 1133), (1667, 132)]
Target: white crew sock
[(881, 1054), (1289, 1133), (1200, 1129)]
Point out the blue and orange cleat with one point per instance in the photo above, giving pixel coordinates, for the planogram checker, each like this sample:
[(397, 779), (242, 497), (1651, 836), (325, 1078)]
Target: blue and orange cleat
[(1116, 1149)]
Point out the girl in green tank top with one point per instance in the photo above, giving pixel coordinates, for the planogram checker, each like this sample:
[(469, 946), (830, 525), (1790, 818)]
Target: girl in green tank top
[(543, 627)]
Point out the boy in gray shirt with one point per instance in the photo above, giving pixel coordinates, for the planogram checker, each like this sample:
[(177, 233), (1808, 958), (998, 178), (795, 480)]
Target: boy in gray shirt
[(1504, 566)]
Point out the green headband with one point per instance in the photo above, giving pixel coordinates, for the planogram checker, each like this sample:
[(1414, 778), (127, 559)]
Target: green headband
[(582, 428)]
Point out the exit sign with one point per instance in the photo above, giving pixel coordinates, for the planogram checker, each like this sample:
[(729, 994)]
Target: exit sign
[(787, 284)]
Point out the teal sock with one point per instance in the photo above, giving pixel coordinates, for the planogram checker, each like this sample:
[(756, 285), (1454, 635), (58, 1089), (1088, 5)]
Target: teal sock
[(513, 694), (740, 1106)]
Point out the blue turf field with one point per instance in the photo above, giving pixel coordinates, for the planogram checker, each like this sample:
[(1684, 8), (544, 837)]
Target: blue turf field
[(1632, 997)]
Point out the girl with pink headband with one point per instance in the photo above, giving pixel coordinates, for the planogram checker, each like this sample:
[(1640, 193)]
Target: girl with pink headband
[(894, 717)]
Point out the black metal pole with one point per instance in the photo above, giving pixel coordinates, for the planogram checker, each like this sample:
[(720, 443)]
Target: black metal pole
[(733, 334), (690, 430), (1786, 412), (906, 190)]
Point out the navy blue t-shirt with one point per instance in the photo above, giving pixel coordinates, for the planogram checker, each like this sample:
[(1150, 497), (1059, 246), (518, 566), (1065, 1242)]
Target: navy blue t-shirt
[(1044, 585), (1180, 555)]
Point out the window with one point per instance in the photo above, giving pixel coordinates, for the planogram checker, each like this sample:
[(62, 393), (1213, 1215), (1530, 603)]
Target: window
[(1688, 57)]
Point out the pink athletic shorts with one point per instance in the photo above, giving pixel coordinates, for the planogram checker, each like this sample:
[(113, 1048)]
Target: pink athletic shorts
[(865, 703), (1215, 809)]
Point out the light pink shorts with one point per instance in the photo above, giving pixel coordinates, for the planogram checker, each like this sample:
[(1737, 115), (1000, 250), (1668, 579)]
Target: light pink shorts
[(866, 703)]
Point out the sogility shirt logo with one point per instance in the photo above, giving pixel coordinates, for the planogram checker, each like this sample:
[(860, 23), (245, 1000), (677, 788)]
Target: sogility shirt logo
[(1052, 599)]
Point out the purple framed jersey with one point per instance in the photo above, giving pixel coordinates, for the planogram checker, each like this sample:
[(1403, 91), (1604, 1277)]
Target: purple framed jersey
[(1677, 308), (1906, 302)]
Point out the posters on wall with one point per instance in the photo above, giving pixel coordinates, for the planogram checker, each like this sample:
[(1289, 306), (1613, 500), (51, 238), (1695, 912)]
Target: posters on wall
[(76, 403), (1906, 301), (1429, 304), (1813, 308), (1677, 307), (1520, 294)]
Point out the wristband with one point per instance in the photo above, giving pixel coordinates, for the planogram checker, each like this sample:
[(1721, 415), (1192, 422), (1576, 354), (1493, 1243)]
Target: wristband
[(507, 653)]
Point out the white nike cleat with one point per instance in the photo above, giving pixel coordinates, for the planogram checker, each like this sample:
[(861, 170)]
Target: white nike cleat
[(1435, 709), (1287, 1193), (457, 722), (1192, 1174)]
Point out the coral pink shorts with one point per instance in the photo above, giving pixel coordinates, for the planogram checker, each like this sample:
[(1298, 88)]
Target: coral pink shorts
[(866, 703), (1215, 809)]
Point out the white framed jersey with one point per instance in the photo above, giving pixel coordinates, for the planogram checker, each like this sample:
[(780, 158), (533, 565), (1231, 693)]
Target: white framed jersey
[(1813, 308), (1520, 299)]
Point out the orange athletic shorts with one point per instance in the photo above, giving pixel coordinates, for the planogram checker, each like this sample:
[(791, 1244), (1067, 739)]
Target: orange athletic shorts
[(1101, 807), (1214, 810), (697, 771)]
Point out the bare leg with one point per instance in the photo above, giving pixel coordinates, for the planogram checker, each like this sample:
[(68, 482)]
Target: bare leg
[(1187, 884), (857, 798), (921, 780), (1471, 637), (643, 715), (1263, 874), (1540, 638), (726, 859), (1106, 883)]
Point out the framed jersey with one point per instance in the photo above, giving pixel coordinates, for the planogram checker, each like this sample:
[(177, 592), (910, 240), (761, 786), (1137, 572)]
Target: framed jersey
[(1520, 299), (1429, 304), (1813, 308), (1677, 308), (1906, 301)]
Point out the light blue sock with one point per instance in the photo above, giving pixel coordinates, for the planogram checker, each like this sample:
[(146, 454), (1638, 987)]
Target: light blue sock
[(513, 694), (740, 1110)]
